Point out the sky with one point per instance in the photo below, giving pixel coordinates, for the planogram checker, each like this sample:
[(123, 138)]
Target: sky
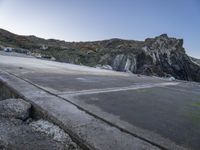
[(89, 20)]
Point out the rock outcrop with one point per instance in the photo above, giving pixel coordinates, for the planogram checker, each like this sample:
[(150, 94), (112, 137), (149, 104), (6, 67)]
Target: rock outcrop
[(160, 56)]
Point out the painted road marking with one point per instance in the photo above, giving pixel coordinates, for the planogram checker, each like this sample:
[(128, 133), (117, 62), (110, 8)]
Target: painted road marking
[(117, 89)]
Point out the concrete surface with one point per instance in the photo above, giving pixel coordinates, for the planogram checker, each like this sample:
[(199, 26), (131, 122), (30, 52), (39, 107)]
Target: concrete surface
[(6, 93), (86, 130), (115, 110)]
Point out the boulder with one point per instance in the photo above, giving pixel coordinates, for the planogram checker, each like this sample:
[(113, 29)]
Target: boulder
[(56, 133), (15, 108)]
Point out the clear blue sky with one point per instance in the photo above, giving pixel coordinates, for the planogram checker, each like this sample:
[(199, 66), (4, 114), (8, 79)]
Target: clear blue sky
[(83, 20)]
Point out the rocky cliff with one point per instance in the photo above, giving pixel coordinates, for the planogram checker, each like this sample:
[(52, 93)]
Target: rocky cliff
[(160, 56)]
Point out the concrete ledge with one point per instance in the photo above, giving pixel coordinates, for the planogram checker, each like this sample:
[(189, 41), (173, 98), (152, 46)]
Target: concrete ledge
[(6, 92), (85, 129), (89, 132)]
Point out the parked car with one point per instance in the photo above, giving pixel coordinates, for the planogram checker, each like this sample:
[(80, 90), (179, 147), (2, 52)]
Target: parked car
[(8, 49)]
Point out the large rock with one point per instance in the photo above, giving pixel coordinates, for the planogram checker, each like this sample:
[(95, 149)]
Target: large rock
[(15, 108), (22, 137), (56, 133), (159, 56)]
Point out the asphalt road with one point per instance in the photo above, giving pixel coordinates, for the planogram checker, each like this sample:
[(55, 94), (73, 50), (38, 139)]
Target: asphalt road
[(152, 108)]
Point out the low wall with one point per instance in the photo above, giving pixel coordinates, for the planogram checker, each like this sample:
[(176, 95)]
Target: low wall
[(6, 92)]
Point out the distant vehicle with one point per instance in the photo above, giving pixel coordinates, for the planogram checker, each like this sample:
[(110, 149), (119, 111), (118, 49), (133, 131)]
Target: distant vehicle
[(48, 57), (20, 50), (8, 49)]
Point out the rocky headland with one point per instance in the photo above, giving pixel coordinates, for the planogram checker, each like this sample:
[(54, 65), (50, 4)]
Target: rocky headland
[(161, 56)]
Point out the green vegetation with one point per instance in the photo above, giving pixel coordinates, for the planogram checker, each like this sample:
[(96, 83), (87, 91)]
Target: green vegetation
[(194, 113), (195, 117), (197, 104)]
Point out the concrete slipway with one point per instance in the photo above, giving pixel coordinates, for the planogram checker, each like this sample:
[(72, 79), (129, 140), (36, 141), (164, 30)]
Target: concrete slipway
[(108, 110)]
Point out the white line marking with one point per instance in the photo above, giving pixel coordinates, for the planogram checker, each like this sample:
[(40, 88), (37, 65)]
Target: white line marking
[(116, 89)]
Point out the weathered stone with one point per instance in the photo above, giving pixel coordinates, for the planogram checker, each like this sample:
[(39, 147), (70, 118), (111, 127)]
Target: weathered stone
[(53, 131), (15, 108), (21, 137)]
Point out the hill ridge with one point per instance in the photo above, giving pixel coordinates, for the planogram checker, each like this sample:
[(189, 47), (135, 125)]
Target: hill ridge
[(160, 56)]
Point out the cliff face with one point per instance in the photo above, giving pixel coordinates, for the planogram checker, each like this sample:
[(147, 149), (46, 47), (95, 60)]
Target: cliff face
[(160, 56)]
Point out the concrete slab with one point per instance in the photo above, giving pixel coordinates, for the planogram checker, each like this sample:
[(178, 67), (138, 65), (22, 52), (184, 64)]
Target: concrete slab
[(169, 113), (155, 110), (22, 65), (60, 77), (85, 129)]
